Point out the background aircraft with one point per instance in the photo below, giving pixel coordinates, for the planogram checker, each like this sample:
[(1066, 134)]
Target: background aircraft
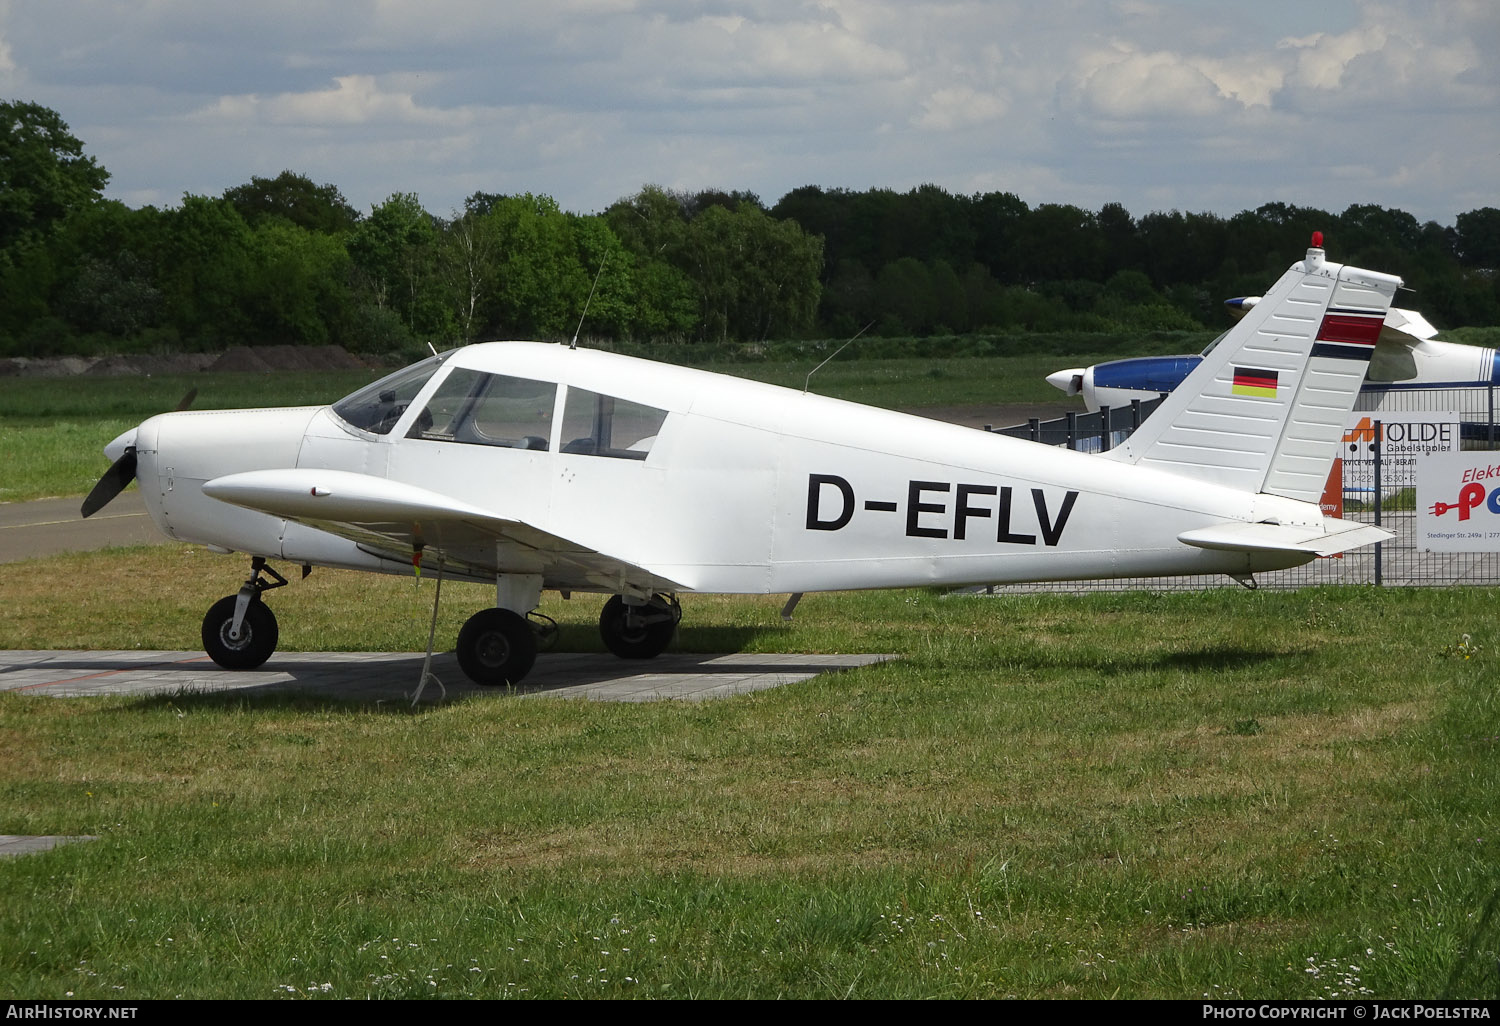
[(1408, 356), (537, 466)]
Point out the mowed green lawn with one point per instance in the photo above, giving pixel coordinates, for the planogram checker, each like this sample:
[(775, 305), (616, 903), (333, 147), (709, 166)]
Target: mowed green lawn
[(1235, 794), (1136, 795), (53, 430)]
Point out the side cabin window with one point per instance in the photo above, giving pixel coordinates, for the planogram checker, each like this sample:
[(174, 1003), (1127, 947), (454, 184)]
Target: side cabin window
[(475, 408), (1391, 362), (601, 425), (377, 407)]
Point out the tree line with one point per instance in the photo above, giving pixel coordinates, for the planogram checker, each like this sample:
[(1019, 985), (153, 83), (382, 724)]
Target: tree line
[(286, 260)]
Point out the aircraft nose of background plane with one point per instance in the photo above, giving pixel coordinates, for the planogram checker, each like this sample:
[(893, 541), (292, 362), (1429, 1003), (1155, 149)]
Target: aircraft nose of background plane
[(1069, 381), (1240, 306)]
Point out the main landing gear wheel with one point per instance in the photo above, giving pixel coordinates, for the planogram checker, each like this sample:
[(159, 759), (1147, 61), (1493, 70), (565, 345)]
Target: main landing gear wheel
[(639, 632), (496, 647), (257, 637)]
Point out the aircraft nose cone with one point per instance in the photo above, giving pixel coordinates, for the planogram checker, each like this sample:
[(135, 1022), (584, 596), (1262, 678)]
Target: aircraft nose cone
[(114, 450), (1070, 382), (1240, 306)]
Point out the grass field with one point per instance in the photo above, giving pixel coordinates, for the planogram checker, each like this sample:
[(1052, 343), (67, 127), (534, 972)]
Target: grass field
[(1136, 795), (53, 430)]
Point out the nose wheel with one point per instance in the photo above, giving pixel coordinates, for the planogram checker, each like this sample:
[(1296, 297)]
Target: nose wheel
[(239, 632), (247, 648)]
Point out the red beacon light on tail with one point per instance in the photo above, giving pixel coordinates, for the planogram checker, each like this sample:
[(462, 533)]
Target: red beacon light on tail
[(1314, 259)]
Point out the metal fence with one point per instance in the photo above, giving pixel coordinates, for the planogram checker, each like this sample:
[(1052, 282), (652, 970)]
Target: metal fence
[(1086, 432), (1378, 488)]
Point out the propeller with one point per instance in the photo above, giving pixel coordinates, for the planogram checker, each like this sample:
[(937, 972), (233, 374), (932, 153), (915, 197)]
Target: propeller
[(122, 471)]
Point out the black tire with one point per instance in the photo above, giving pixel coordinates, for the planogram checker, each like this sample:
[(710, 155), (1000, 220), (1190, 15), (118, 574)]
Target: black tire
[(496, 647), (641, 640), (257, 640)]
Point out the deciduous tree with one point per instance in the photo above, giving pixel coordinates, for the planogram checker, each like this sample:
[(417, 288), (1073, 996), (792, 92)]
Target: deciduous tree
[(44, 175)]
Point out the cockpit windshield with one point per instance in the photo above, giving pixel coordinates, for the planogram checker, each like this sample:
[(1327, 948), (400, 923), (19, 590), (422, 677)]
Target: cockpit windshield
[(379, 406), (1210, 347)]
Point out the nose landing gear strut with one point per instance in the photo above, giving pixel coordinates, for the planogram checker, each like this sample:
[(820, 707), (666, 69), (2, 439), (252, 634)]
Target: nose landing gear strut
[(239, 632)]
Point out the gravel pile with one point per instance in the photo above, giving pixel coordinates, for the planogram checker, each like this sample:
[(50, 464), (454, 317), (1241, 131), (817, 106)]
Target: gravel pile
[(243, 359)]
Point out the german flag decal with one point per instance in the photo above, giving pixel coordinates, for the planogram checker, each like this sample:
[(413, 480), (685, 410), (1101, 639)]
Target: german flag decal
[(1259, 383)]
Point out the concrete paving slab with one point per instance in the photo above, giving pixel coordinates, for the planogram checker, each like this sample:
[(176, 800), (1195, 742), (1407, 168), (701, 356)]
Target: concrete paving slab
[(392, 676), (18, 844)]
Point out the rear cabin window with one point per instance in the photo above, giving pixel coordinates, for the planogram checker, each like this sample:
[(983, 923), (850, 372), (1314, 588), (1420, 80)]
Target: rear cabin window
[(475, 408), (601, 425)]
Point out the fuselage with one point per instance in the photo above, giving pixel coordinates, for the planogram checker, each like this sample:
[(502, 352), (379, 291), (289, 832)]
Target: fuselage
[(713, 482), (1419, 364)]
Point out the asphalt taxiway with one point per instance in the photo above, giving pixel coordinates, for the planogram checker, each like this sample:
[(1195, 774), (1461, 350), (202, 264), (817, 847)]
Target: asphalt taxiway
[(46, 527)]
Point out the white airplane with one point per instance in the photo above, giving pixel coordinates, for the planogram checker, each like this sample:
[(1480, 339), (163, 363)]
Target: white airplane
[(1408, 356), (538, 466)]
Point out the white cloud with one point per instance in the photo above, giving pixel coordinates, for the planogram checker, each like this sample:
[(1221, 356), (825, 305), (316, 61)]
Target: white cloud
[(732, 48), (1396, 60), (1136, 85), (9, 77), (1322, 59), (1150, 102), (957, 107), (353, 100), (1251, 81)]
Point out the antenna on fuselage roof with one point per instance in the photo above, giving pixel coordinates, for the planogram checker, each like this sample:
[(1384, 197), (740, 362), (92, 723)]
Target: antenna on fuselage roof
[(806, 384), (588, 301)]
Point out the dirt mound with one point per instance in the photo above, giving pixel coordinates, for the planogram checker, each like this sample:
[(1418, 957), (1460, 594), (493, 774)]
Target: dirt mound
[(176, 363), (266, 359), (51, 367), (148, 365), (332, 358), (240, 359)]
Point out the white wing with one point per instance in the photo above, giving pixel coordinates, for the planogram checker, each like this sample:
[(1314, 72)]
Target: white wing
[(394, 520)]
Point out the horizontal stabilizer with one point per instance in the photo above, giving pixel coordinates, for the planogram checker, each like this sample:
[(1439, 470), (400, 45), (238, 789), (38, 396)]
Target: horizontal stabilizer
[(1332, 537)]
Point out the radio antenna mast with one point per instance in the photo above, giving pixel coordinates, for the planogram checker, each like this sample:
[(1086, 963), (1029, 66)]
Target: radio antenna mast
[(806, 384), (589, 300)]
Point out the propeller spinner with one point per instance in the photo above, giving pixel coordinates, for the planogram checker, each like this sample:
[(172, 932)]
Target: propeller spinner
[(122, 471)]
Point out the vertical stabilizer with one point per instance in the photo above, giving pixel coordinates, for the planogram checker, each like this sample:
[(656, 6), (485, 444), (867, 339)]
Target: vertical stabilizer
[(1265, 410)]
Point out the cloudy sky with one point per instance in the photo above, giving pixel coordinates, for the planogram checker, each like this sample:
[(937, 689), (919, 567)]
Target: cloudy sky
[(1157, 104)]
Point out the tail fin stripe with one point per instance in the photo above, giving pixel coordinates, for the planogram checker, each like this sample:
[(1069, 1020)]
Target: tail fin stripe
[(1343, 351), (1351, 328)]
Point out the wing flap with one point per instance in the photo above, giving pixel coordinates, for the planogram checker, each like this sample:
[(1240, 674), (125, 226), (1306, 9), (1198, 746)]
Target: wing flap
[(396, 519), (1331, 537)]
